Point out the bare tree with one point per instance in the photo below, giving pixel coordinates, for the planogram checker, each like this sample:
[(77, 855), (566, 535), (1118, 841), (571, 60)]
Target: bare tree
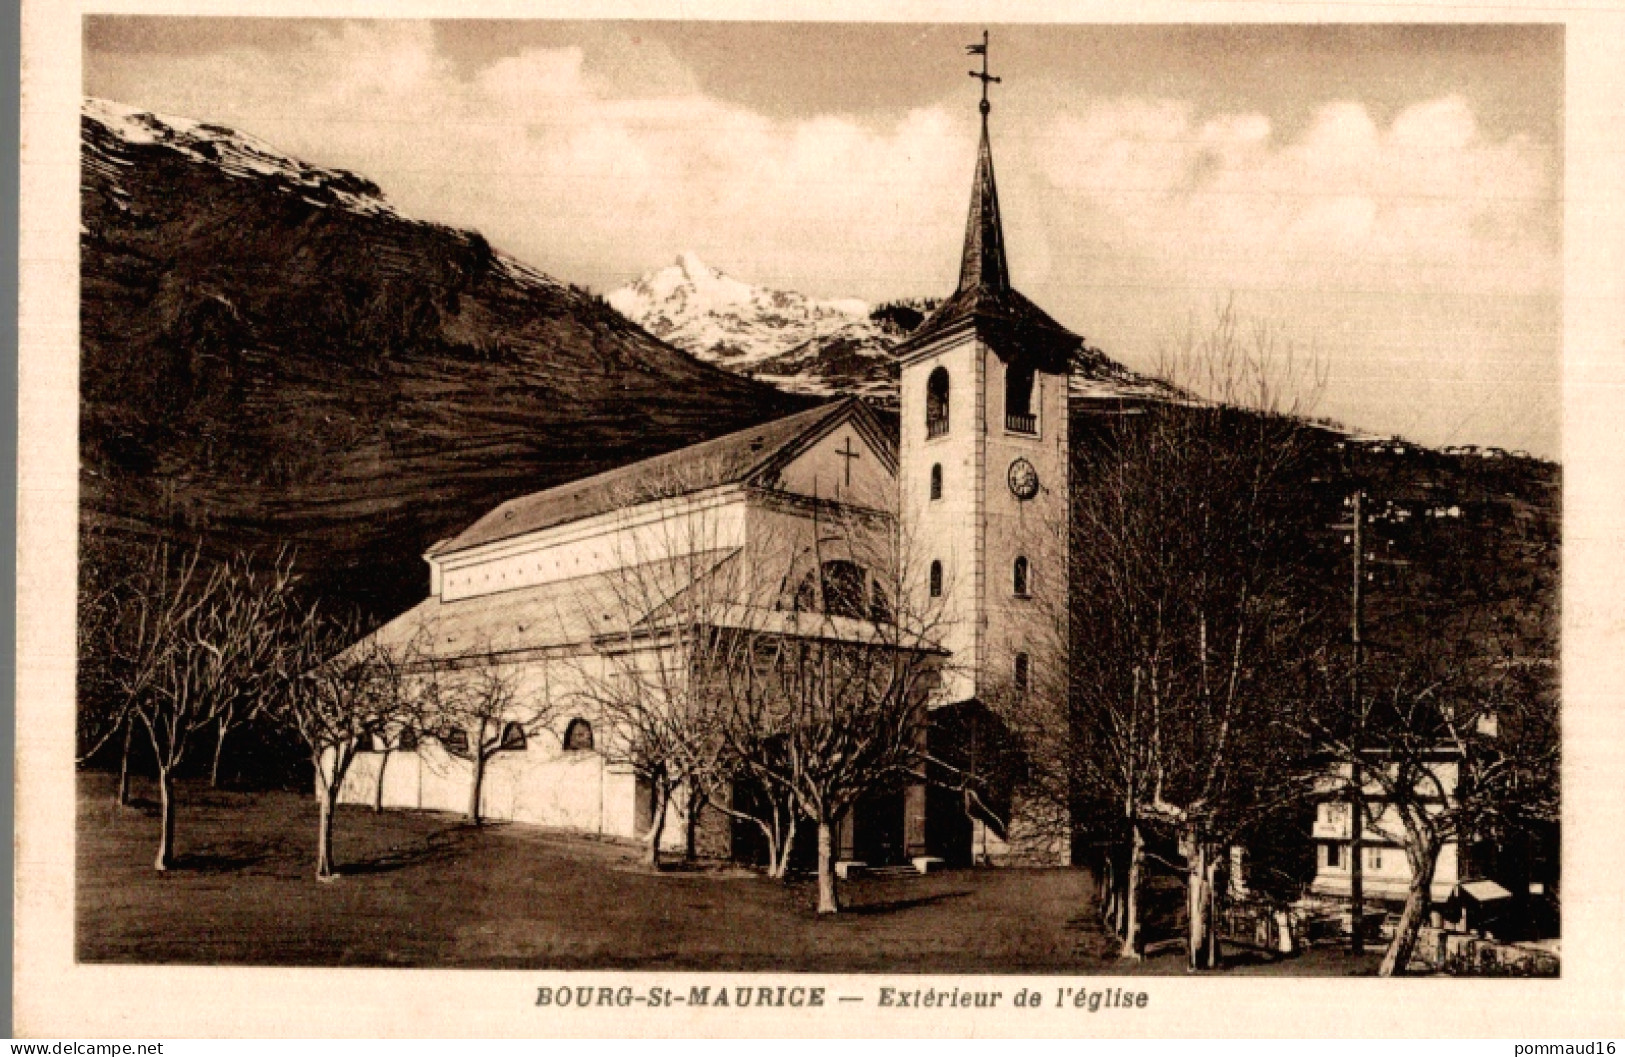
[(1459, 743), (643, 704), (192, 642), (481, 696), (236, 712), (1185, 619), (105, 687), (827, 702), (674, 578), (779, 667), (341, 689), (830, 719)]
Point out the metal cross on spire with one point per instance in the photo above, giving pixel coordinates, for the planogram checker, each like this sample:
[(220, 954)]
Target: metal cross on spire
[(983, 76)]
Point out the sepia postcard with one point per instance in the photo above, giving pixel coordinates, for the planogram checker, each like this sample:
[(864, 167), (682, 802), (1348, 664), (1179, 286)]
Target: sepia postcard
[(826, 521)]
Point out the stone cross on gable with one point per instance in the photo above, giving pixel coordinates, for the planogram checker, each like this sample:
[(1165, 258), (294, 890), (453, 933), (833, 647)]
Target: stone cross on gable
[(848, 453)]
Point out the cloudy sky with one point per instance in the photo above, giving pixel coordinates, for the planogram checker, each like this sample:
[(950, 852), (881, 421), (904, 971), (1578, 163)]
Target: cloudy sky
[(1387, 197)]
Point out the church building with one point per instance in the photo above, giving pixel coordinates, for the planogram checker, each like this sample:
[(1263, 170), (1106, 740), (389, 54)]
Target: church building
[(959, 510)]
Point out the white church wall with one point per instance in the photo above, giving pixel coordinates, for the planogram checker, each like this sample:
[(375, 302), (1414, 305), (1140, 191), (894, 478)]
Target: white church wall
[(445, 779), (542, 784), (650, 532), (428, 778), (945, 529), (1035, 529), (358, 782), (401, 778)]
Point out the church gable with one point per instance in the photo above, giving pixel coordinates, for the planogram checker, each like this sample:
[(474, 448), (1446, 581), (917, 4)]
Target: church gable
[(851, 460)]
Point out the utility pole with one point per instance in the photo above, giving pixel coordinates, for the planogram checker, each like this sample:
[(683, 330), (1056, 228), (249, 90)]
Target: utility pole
[(1356, 777)]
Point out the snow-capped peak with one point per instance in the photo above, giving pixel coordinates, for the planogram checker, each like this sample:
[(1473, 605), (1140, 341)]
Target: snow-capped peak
[(719, 318), (753, 329), (808, 345)]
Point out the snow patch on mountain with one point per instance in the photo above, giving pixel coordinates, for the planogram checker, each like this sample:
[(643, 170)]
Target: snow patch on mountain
[(717, 317), (233, 152), (113, 130), (803, 344), (822, 347)]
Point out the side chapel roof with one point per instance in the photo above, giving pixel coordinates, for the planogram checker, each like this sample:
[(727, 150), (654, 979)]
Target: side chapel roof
[(561, 613)]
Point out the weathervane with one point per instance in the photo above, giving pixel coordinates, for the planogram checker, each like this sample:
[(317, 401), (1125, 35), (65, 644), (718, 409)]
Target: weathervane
[(983, 76)]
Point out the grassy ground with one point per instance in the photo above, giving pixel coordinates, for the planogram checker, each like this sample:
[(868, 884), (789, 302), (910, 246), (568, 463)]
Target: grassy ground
[(428, 890)]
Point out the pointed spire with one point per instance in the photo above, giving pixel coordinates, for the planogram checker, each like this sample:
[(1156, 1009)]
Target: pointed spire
[(985, 300), (983, 264)]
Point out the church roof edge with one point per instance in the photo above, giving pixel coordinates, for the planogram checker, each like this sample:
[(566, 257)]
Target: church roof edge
[(736, 457)]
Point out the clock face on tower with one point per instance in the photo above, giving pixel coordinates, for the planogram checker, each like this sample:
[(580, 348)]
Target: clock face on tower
[(1023, 480)]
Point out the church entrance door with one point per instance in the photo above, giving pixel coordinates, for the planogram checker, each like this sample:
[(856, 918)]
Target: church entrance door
[(878, 837)]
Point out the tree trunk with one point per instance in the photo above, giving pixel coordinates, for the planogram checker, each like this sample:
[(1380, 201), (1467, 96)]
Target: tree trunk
[(1103, 887), (771, 835), (787, 845), (691, 823), (124, 768), (378, 786), (326, 868), (214, 767), (1111, 893), (477, 786), (657, 823), (166, 817), (828, 898), (1203, 936), (1131, 895), (1424, 861)]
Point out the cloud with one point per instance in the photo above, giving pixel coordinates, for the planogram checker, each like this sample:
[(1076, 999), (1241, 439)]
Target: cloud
[(1428, 203), (557, 164)]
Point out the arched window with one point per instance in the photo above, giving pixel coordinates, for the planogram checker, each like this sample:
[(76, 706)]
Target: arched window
[(578, 736), (936, 480), (1018, 399), (365, 743), (513, 737), (843, 586), (845, 589), (1018, 577), (806, 600), (879, 607), (1023, 673), (455, 741), (407, 740), (936, 403), (936, 579)]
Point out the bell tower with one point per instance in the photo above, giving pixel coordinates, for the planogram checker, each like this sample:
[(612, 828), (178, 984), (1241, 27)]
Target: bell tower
[(983, 477)]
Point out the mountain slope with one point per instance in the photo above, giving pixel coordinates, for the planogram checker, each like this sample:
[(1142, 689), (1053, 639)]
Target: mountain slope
[(271, 353)]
